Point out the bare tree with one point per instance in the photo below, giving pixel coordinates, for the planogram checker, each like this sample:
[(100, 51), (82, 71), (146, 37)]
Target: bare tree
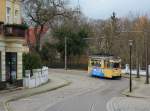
[(42, 13), (117, 43)]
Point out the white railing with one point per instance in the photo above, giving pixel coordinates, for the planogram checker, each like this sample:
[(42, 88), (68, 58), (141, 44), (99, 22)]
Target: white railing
[(40, 76), (134, 71)]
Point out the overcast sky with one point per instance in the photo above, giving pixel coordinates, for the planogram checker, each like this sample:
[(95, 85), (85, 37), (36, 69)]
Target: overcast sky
[(102, 9)]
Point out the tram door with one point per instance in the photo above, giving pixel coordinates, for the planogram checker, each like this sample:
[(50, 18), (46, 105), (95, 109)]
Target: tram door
[(11, 66)]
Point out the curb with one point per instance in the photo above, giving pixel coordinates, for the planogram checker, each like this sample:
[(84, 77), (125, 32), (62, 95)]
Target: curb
[(132, 94), (128, 76), (128, 94), (5, 103)]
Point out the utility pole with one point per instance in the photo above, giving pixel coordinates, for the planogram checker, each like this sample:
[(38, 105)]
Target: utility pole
[(65, 53)]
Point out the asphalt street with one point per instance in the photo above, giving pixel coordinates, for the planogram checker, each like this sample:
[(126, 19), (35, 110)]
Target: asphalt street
[(84, 94)]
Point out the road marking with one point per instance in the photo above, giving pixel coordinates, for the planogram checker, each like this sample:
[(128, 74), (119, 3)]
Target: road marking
[(27, 99), (92, 107)]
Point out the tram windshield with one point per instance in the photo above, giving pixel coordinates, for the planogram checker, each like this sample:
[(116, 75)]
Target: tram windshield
[(96, 63), (116, 65)]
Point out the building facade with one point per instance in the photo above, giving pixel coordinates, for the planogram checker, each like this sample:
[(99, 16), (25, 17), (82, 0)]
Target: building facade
[(3, 10), (12, 37), (10, 11)]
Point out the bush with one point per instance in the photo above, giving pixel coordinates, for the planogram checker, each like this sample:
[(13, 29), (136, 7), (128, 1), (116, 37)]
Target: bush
[(31, 61), (48, 54)]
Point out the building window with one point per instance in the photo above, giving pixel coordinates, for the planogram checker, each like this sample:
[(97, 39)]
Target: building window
[(16, 16), (16, 13), (8, 14), (8, 10)]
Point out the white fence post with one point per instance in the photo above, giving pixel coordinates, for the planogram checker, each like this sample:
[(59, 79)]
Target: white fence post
[(35, 76), (127, 68), (149, 69), (39, 77), (26, 81)]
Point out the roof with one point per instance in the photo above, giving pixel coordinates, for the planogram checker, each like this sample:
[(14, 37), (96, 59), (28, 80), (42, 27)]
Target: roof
[(105, 57), (102, 54)]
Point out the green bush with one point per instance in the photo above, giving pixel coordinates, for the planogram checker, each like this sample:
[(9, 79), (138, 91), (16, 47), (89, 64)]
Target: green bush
[(31, 61), (48, 53)]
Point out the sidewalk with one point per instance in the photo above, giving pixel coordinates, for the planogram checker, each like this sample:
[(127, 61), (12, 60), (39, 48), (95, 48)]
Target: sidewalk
[(128, 104), (137, 100), (139, 88), (54, 83)]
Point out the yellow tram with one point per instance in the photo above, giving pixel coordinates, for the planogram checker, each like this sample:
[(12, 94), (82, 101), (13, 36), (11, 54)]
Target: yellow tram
[(104, 66)]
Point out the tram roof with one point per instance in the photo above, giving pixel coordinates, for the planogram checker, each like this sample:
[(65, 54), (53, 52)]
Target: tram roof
[(104, 57)]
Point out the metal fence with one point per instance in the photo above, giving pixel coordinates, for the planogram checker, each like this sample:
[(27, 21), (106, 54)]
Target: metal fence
[(72, 63)]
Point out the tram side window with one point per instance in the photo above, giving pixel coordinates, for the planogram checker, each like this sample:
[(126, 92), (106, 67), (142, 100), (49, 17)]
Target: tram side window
[(111, 65), (116, 65), (96, 63), (92, 63), (106, 65)]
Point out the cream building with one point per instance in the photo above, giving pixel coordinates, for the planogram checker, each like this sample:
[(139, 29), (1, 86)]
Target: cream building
[(12, 37), (13, 12)]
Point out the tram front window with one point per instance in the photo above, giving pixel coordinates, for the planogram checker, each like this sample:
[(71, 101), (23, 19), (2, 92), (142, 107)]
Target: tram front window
[(116, 65), (96, 63)]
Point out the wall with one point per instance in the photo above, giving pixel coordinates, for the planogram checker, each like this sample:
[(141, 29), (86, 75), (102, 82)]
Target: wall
[(3, 70), (2, 10), (16, 45)]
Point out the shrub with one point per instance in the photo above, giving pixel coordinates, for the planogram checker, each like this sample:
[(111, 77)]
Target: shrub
[(31, 61), (48, 54)]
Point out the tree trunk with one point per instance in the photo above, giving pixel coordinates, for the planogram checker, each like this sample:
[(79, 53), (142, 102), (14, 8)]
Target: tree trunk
[(38, 36)]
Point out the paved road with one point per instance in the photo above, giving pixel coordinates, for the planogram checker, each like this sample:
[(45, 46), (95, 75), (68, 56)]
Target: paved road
[(84, 94)]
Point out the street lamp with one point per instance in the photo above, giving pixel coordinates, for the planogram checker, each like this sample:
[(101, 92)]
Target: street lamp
[(146, 55), (65, 53), (130, 45)]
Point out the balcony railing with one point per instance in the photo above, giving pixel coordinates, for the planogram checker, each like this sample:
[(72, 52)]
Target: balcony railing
[(1, 27), (13, 30)]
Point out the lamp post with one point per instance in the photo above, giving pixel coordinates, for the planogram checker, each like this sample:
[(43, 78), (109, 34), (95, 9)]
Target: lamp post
[(146, 56), (130, 83), (65, 53)]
